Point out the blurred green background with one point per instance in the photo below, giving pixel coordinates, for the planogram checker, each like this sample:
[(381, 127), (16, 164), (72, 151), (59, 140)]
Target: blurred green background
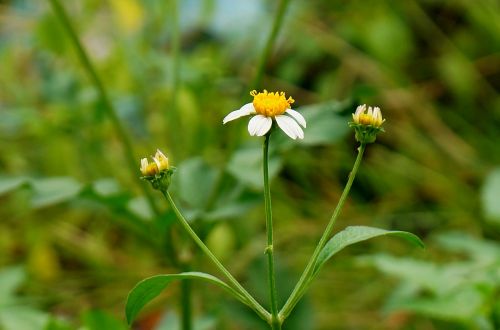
[(77, 230)]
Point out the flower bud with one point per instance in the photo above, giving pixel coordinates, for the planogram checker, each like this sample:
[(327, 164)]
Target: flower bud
[(161, 160), (367, 123), (158, 172)]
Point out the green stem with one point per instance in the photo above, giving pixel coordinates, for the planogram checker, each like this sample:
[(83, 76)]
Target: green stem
[(305, 278), (277, 22), (275, 322), (173, 119), (249, 300), (108, 107), (186, 293)]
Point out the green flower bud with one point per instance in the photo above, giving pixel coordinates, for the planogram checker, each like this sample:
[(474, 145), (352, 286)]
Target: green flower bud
[(367, 123), (158, 172)]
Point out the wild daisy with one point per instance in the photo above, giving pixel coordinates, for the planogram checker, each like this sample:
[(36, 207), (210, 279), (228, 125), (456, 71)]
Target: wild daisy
[(160, 163), (269, 106), (367, 123), (370, 116)]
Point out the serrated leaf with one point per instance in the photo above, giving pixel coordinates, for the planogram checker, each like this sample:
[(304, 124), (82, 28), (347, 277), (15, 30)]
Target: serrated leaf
[(355, 234), (151, 287)]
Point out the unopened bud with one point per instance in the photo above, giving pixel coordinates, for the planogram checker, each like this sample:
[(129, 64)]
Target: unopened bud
[(158, 172), (367, 123)]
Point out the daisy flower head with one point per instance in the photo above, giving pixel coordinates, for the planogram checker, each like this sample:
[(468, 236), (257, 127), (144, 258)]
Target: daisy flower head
[(158, 172), (269, 107), (367, 123), (159, 164)]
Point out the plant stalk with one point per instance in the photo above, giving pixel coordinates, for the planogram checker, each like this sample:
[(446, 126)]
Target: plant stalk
[(186, 294), (275, 321), (173, 119), (250, 301), (305, 278), (108, 106), (264, 56)]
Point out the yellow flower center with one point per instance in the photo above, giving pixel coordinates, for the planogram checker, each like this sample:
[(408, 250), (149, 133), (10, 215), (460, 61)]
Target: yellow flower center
[(270, 104), (150, 170), (366, 119)]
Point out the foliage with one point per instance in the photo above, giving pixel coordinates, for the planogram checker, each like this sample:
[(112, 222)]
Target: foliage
[(77, 222), (464, 291)]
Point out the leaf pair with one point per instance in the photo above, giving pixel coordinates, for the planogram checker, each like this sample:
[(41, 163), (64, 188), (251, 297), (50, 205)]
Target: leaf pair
[(151, 287)]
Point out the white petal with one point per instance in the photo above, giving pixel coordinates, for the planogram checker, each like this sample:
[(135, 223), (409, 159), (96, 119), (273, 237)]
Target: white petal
[(297, 116), (259, 125), (376, 115), (290, 127), (144, 164), (360, 109), (245, 110), (248, 108)]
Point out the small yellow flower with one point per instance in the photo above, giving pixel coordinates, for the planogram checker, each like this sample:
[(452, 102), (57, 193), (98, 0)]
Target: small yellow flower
[(158, 172), (371, 117), (159, 164), (269, 107), (367, 123)]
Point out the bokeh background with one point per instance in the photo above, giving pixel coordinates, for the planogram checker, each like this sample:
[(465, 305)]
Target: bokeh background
[(78, 229)]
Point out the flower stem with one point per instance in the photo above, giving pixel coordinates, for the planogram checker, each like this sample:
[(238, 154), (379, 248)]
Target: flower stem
[(277, 22), (186, 293), (248, 299), (275, 321), (107, 105), (172, 113), (306, 276)]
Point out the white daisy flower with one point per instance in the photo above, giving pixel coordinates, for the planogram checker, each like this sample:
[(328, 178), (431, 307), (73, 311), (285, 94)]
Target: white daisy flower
[(268, 106)]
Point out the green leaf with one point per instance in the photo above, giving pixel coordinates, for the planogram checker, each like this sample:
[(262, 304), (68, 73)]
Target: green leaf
[(489, 197), (480, 249), (151, 287), (97, 320), (8, 184), (140, 207), (461, 305), (246, 166), (50, 191), (355, 234), (324, 124), (106, 187), (11, 279), (196, 181), (23, 318)]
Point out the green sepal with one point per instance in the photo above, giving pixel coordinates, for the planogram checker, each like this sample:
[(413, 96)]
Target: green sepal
[(366, 133), (161, 181)]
